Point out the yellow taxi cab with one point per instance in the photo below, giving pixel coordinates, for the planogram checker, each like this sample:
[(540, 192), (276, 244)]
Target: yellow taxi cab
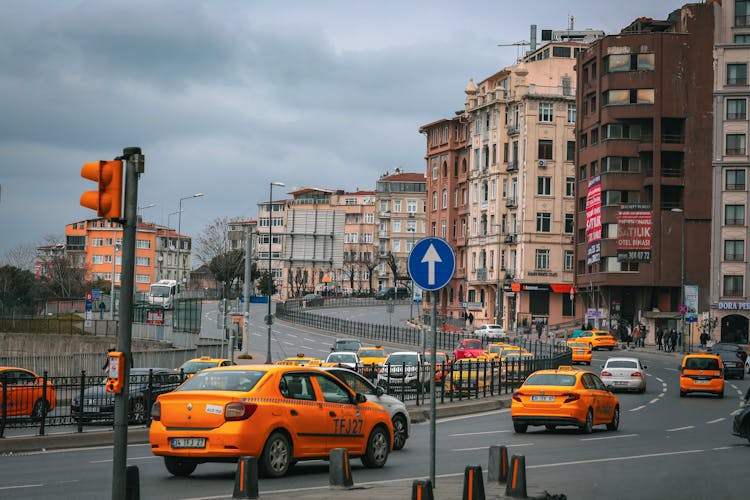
[(597, 339), (512, 350), (442, 365), (278, 413), (25, 393), (702, 373), (562, 397), (193, 366), (372, 359), (495, 348), (581, 352), (470, 376), (300, 360)]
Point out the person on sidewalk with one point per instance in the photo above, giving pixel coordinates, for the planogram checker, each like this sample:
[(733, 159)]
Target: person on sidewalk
[(704, 340), (672, 340), (636, 336), (659, 336)]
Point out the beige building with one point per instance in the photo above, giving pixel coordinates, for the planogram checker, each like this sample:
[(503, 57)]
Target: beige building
[(522, 188), (729, 303), (360, 257), (267, 247), (400, 212)]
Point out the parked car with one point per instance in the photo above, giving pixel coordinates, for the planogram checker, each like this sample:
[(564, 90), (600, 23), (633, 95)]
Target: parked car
[(312, 299), (468, 348), (395, 407), (491, 332), (98, 404), (390, 292), (25, 393), (734, 366), (624, 374)]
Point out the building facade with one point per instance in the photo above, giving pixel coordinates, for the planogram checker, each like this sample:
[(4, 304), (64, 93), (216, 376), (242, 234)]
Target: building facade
[(355, 277), (643, 179)]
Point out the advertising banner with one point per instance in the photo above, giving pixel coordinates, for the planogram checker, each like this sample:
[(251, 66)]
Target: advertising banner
[(634, 230), (594, 220), (691, 301)]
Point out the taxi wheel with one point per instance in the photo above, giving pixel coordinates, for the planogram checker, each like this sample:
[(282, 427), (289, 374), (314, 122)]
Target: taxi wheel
[(277, 455), (377, 449), (520, 428), (179, 467), (399, 432), (615, 423), (588, 425), (38, 410)]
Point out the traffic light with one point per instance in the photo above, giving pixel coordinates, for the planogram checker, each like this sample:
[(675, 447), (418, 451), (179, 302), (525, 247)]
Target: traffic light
[(107, 200)]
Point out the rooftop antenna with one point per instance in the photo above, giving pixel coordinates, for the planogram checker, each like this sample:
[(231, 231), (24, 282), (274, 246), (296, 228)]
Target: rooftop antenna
[(519, 44)]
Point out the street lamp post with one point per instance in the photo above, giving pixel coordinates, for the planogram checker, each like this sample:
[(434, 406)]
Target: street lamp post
[(179, 235), (413, 230), (269, 317), (115, 246)]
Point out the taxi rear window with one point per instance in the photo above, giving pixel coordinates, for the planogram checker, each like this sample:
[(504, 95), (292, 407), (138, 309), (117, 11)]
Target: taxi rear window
[(551, 379), (371, 354), (701, 364), (403, 359), (195, 366), (239, 381)]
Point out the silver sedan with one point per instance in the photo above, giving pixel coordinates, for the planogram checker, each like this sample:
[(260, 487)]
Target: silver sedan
[(625, 374)]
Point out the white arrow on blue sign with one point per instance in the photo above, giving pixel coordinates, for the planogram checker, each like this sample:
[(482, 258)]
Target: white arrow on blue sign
[(431, 263)]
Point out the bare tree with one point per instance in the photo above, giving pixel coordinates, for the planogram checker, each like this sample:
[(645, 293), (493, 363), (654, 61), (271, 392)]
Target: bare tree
[(212, 247), (21, 256)]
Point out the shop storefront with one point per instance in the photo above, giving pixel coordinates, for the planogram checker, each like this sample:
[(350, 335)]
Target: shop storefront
[(733, 319)]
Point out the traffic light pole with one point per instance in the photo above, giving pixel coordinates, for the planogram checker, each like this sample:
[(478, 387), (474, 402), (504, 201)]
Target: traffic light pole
[(134, 161)]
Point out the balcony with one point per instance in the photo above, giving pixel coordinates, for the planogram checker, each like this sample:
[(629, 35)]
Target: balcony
[(512, 130), (512, 166), (511, 203), (385, 215), (510, 238), (384, 235)]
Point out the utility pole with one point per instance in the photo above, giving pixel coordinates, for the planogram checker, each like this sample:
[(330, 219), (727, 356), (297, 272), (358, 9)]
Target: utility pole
[(246, 291), (134, 167)]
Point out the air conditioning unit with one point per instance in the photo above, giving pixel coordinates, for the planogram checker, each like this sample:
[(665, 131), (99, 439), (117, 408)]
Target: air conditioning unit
[(542, 163)]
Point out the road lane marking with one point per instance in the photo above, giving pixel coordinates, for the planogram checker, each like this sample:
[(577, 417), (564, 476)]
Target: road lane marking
[(615, 459), (288, 343), (735, 412), (477, 433), (660, 380), (672, 369), (464, 417), (723, 448), (637, 408), (716, 420), (662, 394), (487, 447), (309, 340), (609, 437), (681, 428), (21, 486), (655, 400), (129, 458)]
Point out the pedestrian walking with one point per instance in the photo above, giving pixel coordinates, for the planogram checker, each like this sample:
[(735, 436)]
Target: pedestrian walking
[(636, 336), (628, 336), (704, 340), (659, 336), (672, 340)]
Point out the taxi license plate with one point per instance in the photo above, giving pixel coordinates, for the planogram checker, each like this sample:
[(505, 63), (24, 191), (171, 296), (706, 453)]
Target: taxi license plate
[(543, 398), (580, 351), (701, 381), (188, 442)]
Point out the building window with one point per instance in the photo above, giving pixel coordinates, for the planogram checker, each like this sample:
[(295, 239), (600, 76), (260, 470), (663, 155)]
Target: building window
[(411, 206), (443, 229), (734, 215), (627, 96), (541, 260), (544, 186), (142, 261), (735, 180), (434, 170), (445, 198), (545, 112), (545, 149), (570, 152), (97, 259), (570, 187), (568, 260), (142, 278), (736, 109), (568, 223), (734, 250), (737, 74), (630, 62), (147, 244), (97, 242), (396, 205), (434, 200), (543, 222), (735, 144), (741, 13), (741, 38), (733, 286), (582, 172), (571, 113)]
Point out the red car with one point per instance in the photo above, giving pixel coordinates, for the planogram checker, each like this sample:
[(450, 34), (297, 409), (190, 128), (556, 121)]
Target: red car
[(468, 348)]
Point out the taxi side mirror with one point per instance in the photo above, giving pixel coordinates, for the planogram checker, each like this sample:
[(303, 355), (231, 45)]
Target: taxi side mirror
[(379, 391), (361, 397)]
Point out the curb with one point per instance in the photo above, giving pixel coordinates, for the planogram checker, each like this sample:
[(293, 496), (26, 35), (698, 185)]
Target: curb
[(422, 414)]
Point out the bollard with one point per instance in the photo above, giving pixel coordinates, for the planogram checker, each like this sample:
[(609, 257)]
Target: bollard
[(516, 485), (473, 483), (132, 482), (421, 490), (246, 478), (497, 469), (339, 470)]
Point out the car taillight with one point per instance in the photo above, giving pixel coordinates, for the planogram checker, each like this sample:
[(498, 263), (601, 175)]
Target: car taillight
[(636, 374), (517, 396), (239, 411), (156, 411), (570, 397), (606, 374), (740, 364)]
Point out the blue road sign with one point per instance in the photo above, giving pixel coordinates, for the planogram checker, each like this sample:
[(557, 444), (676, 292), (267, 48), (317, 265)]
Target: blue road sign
[(432, 263)]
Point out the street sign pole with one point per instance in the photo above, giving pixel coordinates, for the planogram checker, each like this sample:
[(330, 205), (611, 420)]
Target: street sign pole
[(433, 365)]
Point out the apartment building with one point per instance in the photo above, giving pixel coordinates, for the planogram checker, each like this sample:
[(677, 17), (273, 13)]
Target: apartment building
[(728, 289), (359, 258), (644, 185), (269, 243), (447, 167), (519, 247), (400, 214)]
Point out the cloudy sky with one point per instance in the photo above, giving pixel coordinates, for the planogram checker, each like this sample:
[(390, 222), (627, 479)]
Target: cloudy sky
[(225, 96)]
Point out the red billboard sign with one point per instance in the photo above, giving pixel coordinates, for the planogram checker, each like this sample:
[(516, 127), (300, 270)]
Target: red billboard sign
[(634, 233), (594, 220)]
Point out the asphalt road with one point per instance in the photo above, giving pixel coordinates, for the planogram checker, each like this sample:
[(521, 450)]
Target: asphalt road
[(667, 446)]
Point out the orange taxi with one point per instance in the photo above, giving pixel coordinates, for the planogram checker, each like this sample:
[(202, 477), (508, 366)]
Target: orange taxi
[(562, 397), (581, 352), (702, 373), (278, 413), (301, 360), (442, 365), (25, 393), (495, 348), (597, 339), (193, 366), (372, 359)]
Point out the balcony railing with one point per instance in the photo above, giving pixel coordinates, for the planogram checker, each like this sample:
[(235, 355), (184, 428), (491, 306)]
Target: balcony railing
[(482, 274), (511, 202), (512, 166)]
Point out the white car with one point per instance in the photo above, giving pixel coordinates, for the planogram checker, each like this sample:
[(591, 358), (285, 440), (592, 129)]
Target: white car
[(627, 374), (402, 370), (395, 407), (491, 332), (343, 358)]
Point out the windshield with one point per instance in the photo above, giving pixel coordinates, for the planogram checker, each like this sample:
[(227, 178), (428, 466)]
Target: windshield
[(195, 366), (341, 358), (400, 359), (551, 379), (240, 381), (374, 353), (160, 291)]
